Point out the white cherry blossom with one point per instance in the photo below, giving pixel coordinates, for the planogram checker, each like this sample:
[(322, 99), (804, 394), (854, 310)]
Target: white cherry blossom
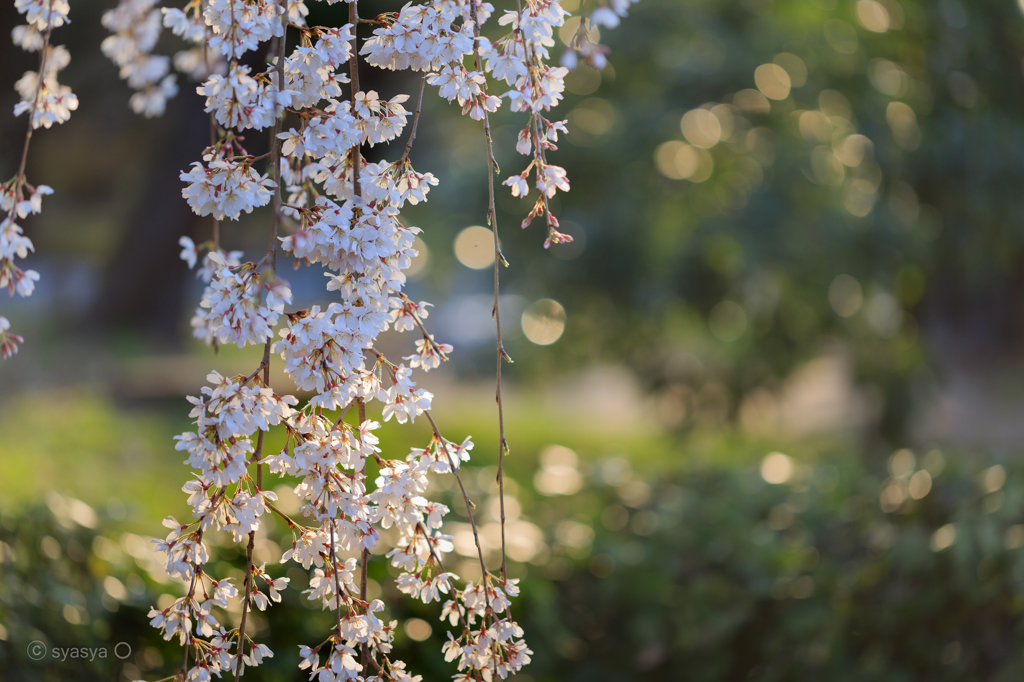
[(354, 231)]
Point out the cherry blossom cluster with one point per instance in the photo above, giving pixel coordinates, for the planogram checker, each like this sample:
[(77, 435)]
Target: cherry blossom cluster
[(136, 27), (422, 38), (231, 310), (332, 209), (224, 187), (519, 59), (46, 102)]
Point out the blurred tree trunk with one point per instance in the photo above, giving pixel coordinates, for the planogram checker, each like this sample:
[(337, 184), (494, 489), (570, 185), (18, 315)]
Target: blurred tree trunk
[(142, 288)]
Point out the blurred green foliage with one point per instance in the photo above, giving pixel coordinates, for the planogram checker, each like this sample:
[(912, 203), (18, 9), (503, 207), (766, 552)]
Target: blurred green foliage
[(720, 576), (53, 592), (711, 574), (893, 158)]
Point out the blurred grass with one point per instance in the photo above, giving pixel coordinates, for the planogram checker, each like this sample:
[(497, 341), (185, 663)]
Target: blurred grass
[(99, 450), (83, 446)]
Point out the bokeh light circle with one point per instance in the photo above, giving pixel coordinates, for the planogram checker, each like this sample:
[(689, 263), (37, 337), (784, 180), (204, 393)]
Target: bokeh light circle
[(777, 468), (773, 81), (474, 247), (544, 321)]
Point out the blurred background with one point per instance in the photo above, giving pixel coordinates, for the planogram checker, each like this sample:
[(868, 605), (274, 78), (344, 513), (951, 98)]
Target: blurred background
[(767, 409)]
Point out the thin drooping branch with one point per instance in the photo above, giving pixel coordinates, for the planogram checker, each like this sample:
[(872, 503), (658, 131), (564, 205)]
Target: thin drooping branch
[(191, 594), (275, 151), (415, 121), (247, 589), (271, 258), (454, 469), (465, 496), (8, 342), (365, 556), (337, 580), (213, 117), (499, 259), (353, 18), (257, 455), (437, 559), (422, 327), (40, 86)]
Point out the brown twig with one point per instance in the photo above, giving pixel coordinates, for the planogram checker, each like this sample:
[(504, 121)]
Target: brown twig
[(422, 327), (35, 99), (213, 118), (292, 523), (191, 593), (430, 547), (415, 122), (492, 219), (465, 496), (337, 583), (353, 18), (275, 148), (365, 654), (275, 151)]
